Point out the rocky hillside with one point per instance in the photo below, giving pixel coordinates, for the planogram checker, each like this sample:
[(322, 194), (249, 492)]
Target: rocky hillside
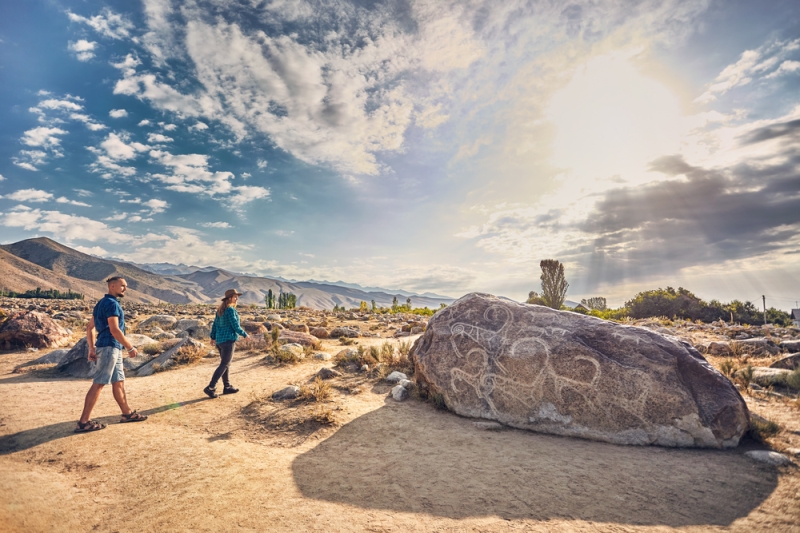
[(44, 263)]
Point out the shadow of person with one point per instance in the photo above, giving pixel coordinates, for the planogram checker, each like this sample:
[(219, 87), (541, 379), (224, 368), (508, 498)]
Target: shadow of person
[(34, 437), (410, 458)]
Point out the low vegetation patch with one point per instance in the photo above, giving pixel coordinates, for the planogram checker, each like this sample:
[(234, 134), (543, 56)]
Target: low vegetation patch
[(317, 391), (762, 429)]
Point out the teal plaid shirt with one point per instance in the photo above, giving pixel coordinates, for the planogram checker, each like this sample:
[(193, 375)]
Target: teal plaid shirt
[(226, 327)]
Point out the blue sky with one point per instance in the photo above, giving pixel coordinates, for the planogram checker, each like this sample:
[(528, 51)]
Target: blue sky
[(429, 145)]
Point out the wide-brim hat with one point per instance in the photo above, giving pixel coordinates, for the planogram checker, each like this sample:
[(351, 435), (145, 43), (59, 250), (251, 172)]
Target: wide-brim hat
[(230, 293)]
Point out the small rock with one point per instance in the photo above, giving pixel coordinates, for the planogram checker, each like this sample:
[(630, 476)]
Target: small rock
[(322, 356), (772, 458), (395, 376), (793, 451), (406, 383), (289, 393), (328, 373), (399, 393), (365, 368), (274, 317), (293, 349)]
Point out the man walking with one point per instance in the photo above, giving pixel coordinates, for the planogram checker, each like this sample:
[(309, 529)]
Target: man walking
[(109, 320)]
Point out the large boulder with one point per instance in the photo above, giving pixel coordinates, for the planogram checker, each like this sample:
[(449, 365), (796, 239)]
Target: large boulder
[(253, 327), (790, 362), (298, 338), (51, 358), (76, 363), (343, 331), (790, 346), (759, 347), (162, 321), (536, 368), (186, 323), (31, 329), (719, 348), (165, 359), (320, 333)]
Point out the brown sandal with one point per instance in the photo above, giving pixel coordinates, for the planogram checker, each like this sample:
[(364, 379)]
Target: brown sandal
[(89, 425), (133, 417)]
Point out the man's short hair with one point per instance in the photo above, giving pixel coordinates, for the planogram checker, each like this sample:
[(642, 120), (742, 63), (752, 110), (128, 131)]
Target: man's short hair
[(113, 278)]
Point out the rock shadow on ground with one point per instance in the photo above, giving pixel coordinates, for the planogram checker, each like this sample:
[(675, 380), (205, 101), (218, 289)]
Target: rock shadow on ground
[(411, 458)]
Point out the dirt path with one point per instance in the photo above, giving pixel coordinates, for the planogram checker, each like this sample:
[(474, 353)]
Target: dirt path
[(200, 465)]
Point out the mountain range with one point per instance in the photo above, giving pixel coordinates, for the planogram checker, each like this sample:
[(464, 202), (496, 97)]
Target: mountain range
[(45, 263)]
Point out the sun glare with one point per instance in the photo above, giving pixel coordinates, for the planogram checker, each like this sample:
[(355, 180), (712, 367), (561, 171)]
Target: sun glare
[(611, 121)]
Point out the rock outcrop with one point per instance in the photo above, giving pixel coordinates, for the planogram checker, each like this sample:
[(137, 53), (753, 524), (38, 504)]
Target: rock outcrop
[(33, 330), (532, 367), (299, 338)]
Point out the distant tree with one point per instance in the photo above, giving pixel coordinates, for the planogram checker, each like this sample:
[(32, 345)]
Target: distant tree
[(374, 307), (395, 305), (270, 299), (597, 303), (408, 302), (554, 283), (363, 307), (534, 298)]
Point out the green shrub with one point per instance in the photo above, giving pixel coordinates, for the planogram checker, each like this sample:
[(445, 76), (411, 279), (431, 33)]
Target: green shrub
[(793, 379), (727, 367), (761, 429), (151, 349)]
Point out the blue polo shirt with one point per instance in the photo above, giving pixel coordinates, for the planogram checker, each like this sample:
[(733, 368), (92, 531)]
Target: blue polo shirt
[(107, 307)]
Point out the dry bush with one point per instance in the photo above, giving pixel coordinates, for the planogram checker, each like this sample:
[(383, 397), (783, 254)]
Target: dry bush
[(387, 352), (283, 356), (325, 416), (187, 355), (762, 429), (254, 342), (739, 349), (151, 349), (727, 367), (404, 347), (344, 341), (317, 391), (745, 377), (793, 380)]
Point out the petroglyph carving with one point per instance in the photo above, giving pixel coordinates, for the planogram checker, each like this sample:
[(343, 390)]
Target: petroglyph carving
[(559, 372)]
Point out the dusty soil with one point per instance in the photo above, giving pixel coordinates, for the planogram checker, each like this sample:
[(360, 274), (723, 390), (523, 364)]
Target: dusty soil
[(243, 463)]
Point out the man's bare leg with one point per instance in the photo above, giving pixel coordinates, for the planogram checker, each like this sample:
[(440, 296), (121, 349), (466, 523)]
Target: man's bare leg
[(119, 394), (90, 401)]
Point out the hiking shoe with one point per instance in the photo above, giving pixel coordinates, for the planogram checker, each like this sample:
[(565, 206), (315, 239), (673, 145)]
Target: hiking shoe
[(229, 389), (210, 392)]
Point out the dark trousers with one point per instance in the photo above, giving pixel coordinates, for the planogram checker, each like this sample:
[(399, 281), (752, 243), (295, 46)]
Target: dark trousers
[(226, 354)]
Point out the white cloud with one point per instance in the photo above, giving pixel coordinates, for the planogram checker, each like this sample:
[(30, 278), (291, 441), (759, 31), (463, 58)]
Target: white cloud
[(108, 24), (245, 194), (83, 193), (96, 251), (60, 224), (30, 159), (65, 200), (84, 50), (86, 119), (785, 68), (116, 147), (29, 195), (2, 178), (216, 225), (54, 103), (156, 206), (156, 138), (246, 175), (262, 164), (144, 122), (117, 217), (42, 136), (168, 127), (200, 126), (131, 201), (117, 113)]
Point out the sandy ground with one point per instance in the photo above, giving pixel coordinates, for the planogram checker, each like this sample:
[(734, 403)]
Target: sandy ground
[(213, 465)]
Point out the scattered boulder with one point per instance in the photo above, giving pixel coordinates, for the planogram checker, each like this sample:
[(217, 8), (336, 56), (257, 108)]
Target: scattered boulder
[(196, 332), (274, 317), (298, 338), (76, 362), (292, 349), (322, 356), (254, 328), (164, 335), (771, 458), (395, 377), (320, 333), (328, 373), (759, 347), (186, 323), (32, 329), (790, 362), (536, 368), (406, 383), (165, 359), (790, 346), (139, 340), (53, 357), (399, 393), (416, 330), (766, 376), (289, 393), (162, 321), (300, 328), (342, 331), (719, 348)]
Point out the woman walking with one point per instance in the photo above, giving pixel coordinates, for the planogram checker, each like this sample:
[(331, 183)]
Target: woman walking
[(224, 333)]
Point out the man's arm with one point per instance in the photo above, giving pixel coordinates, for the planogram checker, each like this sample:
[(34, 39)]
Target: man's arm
[(90, 340), (113, 327)]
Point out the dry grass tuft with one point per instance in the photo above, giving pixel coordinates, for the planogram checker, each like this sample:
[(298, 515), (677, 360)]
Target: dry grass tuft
[(727, 367), (188, 355), (762, 429), (151, 349), (317, 391)]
